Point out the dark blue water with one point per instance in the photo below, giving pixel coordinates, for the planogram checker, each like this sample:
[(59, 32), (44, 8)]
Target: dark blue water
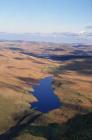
[(44, 93)]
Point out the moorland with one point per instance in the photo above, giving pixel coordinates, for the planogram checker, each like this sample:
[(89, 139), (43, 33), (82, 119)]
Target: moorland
[(22, 66)]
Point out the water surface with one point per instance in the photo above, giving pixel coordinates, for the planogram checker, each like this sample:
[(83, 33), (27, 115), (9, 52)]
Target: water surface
[(44, 93)]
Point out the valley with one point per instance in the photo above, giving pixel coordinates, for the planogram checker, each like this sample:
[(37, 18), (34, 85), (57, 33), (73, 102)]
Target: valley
[(23, 65)]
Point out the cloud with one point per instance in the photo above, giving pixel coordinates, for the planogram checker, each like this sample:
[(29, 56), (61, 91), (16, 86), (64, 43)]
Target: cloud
[(86, 31), (88, 27)]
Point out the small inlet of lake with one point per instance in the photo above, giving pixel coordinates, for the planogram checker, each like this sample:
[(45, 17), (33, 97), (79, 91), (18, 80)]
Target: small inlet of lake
[(46, 99)]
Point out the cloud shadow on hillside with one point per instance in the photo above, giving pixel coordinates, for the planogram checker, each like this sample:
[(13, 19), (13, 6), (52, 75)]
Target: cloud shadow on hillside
[(82, 67)]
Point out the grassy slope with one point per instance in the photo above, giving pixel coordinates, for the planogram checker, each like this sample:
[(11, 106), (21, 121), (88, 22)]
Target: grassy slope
[(16, 79)]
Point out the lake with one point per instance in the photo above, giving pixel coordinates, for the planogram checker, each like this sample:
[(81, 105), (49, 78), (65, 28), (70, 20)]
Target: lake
[(44, 93)]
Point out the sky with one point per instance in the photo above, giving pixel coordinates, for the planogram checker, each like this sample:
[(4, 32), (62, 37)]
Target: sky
[(19, 16)]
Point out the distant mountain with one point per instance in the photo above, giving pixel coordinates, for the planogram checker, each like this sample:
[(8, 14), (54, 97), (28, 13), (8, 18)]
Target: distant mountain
[(66, 37)]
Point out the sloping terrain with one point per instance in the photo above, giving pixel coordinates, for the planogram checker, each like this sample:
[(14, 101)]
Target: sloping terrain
[(22, 65)]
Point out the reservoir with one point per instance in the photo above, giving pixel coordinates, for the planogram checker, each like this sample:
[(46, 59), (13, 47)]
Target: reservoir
[(46, 99)]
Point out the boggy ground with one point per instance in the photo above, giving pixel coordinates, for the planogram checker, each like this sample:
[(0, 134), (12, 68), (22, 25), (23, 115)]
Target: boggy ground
[(72, 82)]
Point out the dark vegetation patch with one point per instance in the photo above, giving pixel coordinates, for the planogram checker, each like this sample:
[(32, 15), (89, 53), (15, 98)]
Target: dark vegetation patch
[(59, 57), (79, 52), (15, 49), (68, 57), (29, 54), (20, 126), (80, 46), (28, 80), (83, 67), (18, 58), (77, 128), (55, 49), (50, 132), (57, 83)]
